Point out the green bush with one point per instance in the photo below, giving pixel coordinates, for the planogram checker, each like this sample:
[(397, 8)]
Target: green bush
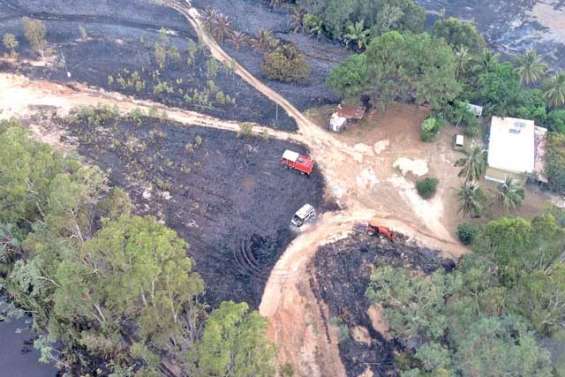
[(555, 161), (427, 187), (430, 128), (286, 63), (467, 233), (556, 121)]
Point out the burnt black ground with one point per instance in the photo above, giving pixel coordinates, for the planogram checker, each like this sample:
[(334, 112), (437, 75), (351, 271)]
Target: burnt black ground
[(321, 54), (506, 25), (121, 41), (341, 276), (231, 200)]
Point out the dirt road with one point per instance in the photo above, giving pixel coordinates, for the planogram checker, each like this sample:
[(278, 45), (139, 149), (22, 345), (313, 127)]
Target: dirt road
[(19, 93)]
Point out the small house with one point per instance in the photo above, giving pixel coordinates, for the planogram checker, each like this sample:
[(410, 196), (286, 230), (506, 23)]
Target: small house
[(516, 149), (346, 115)]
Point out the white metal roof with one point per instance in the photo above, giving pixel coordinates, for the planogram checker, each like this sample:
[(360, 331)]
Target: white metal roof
[(512, 145), (475, 109), (290, 155), (460, 140)]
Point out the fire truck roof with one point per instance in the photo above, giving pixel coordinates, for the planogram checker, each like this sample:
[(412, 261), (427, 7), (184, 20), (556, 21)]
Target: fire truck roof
[(290, 155)]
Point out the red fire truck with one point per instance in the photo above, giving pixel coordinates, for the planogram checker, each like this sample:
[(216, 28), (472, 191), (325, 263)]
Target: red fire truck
[(296, 161)]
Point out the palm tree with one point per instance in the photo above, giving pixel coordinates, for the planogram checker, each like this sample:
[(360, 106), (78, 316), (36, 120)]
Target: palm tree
[(471, 199), (554, 91), (265, 41), (530, 68), (510, 194), (486, 61), (474, 164), (297, 19), (356, 32), (238, 38), (462, 59)]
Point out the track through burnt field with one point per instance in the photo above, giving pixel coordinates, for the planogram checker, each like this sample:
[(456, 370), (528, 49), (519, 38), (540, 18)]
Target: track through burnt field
[(211, 187), (341, 272), (118, 54)]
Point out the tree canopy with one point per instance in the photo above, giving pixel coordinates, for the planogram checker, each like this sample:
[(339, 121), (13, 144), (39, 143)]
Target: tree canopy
[(401, 66)]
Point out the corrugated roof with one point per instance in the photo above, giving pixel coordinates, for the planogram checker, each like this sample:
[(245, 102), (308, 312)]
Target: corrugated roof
[(350, 112), (512, 145)]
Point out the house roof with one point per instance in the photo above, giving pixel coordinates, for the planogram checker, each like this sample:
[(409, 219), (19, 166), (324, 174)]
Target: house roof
[(512, 145), (350, 112)]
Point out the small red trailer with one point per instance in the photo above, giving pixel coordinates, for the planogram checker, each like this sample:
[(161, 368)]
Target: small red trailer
[(376, 228), (301, 163)]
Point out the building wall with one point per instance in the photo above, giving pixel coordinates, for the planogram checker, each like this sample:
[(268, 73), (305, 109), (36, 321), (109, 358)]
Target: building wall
[(498, 175)]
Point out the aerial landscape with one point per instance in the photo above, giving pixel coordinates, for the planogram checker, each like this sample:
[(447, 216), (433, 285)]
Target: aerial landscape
[(282, 188)]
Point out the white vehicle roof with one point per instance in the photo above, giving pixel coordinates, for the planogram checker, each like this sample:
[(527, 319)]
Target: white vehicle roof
[(303, 212), (290, 155), (459, 140)]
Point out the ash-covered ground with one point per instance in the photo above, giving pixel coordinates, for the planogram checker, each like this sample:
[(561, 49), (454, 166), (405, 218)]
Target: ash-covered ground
[(341, 275)]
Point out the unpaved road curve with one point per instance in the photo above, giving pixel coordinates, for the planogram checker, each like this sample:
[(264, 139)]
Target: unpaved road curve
[(18, 93)]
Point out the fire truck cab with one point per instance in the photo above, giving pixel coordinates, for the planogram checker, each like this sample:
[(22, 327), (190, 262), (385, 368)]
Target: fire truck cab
[(296, 161)]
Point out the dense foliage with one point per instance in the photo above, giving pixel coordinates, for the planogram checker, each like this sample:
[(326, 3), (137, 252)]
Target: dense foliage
[(116, 292), (401, 66), (555, 162), (286, 63), (485, 317), (377, 16)]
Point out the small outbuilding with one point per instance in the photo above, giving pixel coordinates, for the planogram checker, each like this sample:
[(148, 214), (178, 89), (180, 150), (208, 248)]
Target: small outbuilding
[(476, 110), (516, 149), (346, 115)]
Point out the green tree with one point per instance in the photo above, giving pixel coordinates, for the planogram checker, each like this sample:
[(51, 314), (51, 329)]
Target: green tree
[(350, 78), (412, 65), (234, 344), (554, 90), (519, 246), (471, 199), (510, 194), (400, 15), (499, 88), (286, 63), (496, 347), (11, 43), (555, 161), (433, 356), (473, 165), (412, 304), (459, 34), (35, 32), (27, 169), (530, 67), (540, 296), (135, 267)]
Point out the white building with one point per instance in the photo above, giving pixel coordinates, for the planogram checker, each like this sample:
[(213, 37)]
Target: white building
[(512, 149)]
